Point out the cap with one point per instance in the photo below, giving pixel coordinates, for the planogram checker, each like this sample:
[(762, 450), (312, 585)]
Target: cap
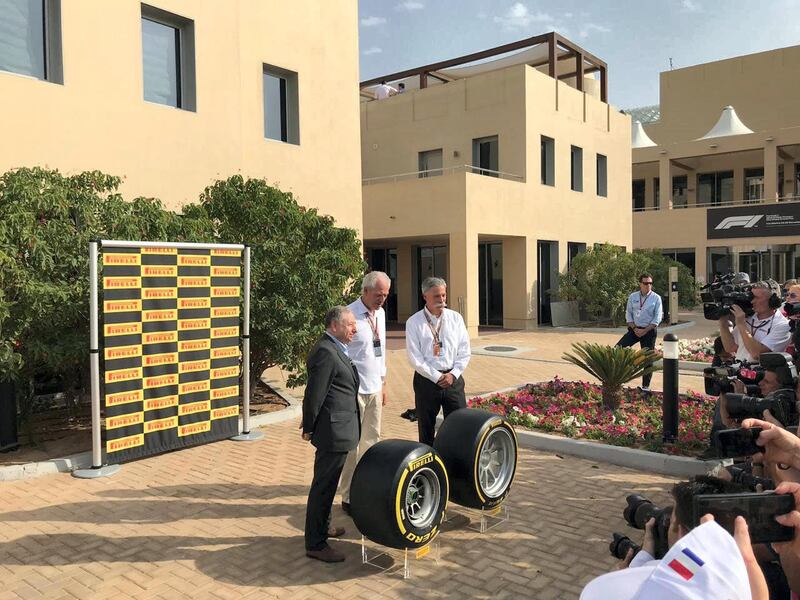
[(705, 563)]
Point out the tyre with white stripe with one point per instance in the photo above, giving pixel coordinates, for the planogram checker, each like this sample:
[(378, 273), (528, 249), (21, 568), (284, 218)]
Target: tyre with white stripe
[(479, 449)]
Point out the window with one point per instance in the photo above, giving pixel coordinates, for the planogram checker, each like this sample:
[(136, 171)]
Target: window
[(656, 192), (430, 163), (281, 105), (638, 195), (30, 38), (602, 175), (168, 58), (548, 161), (573, 249), (680, 196), (753, 185), (715, 189), (577, 168), (485, 160)]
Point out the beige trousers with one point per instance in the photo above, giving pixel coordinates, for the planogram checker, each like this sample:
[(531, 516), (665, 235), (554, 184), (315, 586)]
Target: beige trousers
[(371, 406)]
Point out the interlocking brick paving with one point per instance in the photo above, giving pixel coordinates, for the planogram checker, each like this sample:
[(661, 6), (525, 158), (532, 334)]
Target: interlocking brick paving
[(225, 520)]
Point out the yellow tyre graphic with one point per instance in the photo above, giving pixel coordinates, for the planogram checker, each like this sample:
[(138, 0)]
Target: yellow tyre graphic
[(399, 494), (479, 449)]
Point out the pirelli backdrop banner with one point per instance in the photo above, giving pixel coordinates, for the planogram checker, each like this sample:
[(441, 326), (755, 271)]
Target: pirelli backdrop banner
[(170, 358)]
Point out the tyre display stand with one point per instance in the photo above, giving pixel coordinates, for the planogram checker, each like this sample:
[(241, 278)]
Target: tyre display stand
[(400, 560), (488, 518)]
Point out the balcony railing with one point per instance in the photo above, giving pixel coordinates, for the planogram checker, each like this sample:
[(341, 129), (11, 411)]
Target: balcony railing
[(439, 172), (745, 202)]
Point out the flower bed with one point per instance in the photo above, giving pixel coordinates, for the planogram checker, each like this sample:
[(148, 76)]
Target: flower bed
[(574, 409), (699, 350)]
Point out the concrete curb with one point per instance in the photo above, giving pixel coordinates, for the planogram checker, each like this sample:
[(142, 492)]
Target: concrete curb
[(642, 460), (670, 328), (83, 460)]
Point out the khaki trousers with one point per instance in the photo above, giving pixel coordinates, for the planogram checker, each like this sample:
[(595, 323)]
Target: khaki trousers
[(371, 406)]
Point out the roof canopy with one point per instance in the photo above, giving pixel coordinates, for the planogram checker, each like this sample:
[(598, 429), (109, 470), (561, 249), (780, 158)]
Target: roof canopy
[(729, 124), (639, 138), (550, 52)]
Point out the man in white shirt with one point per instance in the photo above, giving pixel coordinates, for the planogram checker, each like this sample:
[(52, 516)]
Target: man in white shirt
[(437, 345), (367, 350), (767, 330), (384, 91)]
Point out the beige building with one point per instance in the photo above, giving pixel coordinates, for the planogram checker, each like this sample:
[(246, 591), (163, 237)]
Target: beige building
[(493, 175), (173, 94), (716, 177)]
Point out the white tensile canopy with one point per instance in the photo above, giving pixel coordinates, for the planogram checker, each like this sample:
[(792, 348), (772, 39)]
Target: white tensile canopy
[(729, 124)]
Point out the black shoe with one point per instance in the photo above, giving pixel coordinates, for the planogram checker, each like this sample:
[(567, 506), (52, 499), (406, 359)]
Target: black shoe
[(346, 507), (326, 554), (410, 414)]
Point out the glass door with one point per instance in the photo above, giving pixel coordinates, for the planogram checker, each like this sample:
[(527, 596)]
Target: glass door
[(490, 277)]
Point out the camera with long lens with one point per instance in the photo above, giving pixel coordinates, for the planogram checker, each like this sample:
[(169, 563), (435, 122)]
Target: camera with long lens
[(780, 403), (620, 544), (746, 478), (640, 510), (720, 380), (721, 294)]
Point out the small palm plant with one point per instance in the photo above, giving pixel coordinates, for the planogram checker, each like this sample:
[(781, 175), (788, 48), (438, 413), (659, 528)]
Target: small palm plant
[(613, 366)]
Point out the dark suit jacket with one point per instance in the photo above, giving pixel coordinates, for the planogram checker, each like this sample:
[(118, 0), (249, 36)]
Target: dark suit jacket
[(330, 403)]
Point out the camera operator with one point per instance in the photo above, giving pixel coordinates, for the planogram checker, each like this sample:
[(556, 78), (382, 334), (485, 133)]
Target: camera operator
[(767, 330), (792, 311)]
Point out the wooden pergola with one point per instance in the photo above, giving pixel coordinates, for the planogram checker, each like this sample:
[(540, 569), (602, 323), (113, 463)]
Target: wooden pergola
[(559, 51)]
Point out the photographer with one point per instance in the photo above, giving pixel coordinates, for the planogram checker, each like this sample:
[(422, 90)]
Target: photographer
[(767, 330)]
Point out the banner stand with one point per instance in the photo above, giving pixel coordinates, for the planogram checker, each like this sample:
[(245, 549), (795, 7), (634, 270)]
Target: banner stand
[(98, 468), (246, 435)]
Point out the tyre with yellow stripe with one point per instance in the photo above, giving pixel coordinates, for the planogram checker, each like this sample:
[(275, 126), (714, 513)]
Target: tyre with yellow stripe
[(479, 449), (399, 494)]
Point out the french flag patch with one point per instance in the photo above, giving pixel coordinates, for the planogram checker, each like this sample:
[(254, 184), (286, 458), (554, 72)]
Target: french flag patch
[(686, 564)]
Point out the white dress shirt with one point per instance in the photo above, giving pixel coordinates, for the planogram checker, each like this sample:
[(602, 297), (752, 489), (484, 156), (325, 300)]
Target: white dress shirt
[(455, 350), (774, 332), (371, 369)]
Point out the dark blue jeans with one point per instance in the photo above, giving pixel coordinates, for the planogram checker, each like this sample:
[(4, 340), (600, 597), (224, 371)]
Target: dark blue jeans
[(648, 340)]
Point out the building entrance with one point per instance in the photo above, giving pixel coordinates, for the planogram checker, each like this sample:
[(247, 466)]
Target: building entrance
[(547, 280), (490, 277), (385, 259)]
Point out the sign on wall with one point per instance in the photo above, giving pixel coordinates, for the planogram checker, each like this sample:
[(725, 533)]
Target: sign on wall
[(758, 220), (170, 348)]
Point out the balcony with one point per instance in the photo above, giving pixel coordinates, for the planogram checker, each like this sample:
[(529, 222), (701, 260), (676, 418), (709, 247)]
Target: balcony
[(432, 173), (681, 204)]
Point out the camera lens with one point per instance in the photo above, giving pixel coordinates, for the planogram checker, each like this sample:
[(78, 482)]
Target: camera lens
[(621, 544)]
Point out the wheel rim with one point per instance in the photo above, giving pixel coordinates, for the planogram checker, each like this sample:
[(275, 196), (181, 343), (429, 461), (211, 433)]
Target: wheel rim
[(422, 498), (496, 462)]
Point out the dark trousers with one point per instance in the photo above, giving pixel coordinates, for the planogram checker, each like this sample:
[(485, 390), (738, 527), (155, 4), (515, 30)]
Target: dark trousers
[(429, 398), (327, 470), (648, 340)]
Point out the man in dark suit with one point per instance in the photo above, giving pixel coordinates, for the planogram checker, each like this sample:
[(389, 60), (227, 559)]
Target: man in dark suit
[(331, 422)]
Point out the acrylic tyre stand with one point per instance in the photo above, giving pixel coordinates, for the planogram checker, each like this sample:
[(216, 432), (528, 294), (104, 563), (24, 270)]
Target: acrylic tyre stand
[(400, 560), (488, 519)]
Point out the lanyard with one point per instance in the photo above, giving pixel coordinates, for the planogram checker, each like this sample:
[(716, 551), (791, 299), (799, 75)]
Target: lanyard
[(643, 301), (754, 328), (373, 324), (434, 330)]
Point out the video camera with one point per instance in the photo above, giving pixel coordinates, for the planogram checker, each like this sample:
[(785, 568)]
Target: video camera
[(721, 294), (780, 403), (746, 478), (719, 380)]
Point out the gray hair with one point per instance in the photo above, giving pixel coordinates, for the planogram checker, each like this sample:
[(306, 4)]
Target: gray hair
[(767, 284), (432, 282), (371, 280), (335, 314)]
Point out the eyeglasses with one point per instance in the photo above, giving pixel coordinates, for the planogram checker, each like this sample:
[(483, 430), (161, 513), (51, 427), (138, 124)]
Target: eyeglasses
[(646, 282)]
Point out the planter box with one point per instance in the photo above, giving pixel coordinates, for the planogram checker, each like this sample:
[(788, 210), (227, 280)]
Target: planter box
[(564, 313)]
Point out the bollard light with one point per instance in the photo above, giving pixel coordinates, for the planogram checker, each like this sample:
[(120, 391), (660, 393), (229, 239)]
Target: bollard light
[(670, 346)]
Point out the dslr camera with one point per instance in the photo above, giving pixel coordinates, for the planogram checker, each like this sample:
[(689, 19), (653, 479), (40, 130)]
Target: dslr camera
[(780, 403), (721, 294), (637, 513)]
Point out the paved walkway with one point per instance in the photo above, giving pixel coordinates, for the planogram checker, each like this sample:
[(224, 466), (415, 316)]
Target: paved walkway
[(225, 520)]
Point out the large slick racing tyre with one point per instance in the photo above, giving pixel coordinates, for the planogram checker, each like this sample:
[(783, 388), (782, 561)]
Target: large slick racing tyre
[(479, 449), (399, 494)]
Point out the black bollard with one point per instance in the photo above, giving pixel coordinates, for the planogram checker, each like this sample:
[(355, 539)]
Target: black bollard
[(670, 406)]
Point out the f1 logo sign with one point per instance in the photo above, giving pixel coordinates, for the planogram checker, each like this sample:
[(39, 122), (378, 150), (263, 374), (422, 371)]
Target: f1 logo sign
[(746, 221)]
